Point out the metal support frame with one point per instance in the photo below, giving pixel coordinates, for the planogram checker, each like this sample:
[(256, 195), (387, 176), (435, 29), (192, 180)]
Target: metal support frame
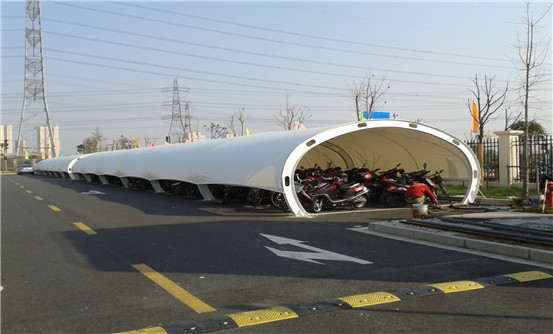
[(34, 73)]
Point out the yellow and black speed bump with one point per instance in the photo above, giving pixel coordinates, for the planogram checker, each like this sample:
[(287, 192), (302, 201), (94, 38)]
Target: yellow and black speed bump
[(262, 316), (363, 300)]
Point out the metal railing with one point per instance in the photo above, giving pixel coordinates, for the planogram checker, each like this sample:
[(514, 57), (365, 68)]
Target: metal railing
[(491, 157), (540, 158)]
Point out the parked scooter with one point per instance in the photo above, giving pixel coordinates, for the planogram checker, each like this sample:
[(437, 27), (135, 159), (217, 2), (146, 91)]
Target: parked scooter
[(381, 184), (333, 193), (396, 184), (235, 193), (394, 195)]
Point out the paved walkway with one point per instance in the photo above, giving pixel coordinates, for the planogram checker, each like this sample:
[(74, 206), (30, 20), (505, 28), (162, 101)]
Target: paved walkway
[(530, 252)]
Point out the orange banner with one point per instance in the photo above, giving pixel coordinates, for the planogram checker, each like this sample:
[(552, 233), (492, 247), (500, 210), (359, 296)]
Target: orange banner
[(475, 118)]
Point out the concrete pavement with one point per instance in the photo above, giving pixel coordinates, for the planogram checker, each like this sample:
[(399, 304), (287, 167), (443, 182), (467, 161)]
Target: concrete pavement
[(524, 251)]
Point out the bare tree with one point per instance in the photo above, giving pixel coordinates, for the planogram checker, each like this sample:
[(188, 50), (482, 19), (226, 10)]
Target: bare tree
[(509, 119), (368, 94), (149, 141), (356, 93), (488, 99), (231, 125), (532, 54), (236, 122), (216, 130), (374, 89), (292, 115), (242, 118)]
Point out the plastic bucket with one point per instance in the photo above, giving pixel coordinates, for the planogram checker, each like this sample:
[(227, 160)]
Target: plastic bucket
[(420, 210)]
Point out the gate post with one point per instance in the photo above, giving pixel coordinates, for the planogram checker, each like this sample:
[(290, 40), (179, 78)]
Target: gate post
[(508, 155)]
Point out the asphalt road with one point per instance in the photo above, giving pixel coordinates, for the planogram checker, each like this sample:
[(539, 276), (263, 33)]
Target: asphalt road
[(87, 258)]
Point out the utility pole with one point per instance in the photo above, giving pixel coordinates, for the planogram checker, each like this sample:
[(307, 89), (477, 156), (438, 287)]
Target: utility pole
[(34, 73), (178, 129)]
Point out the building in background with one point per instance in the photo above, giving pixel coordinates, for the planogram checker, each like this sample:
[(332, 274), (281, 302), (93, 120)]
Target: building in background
[(44, 143), (6, 136), (195, 136)]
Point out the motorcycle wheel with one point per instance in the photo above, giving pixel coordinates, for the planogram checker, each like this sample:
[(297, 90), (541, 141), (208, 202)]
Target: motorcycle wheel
[(192, 191), (394, 200), (374, 195), (255, 196), (359, 202), (277, 199), (317, 205), (227, 197)]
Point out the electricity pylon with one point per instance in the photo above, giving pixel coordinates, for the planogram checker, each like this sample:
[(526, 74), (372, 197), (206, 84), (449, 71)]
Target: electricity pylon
[(178, 130), (34, 74)]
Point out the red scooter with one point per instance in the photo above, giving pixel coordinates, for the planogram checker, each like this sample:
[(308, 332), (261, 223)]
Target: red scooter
[(335, 193)]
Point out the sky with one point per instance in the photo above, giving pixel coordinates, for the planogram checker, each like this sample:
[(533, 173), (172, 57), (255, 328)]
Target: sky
[(111, 65)]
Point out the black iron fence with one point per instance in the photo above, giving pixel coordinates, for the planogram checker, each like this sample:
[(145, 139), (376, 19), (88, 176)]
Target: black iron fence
[(540, 158), (491, 157)]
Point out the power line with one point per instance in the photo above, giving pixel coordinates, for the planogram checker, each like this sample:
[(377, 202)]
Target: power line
[(325, 39), (126, 68), (280, 42), (250, 63), (264, 65)]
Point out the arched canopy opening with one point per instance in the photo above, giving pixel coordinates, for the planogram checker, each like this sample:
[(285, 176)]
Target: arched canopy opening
[(383, 144), (269, 160)]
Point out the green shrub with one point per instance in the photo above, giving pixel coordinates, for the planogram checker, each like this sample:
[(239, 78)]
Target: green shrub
[(490, 192)]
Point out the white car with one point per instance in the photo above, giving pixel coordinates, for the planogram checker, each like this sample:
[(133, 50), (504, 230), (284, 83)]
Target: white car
[(26, 168)]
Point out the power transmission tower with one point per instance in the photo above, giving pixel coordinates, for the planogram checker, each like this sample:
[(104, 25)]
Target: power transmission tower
[(34, 75), (187, 125), (178, 130)]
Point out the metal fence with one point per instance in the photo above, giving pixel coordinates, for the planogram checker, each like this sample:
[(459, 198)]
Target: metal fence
[(491, 157), (540, 158)]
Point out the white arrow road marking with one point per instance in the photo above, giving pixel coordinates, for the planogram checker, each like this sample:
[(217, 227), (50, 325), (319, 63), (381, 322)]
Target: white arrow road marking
[(316, 253), (93, 192)]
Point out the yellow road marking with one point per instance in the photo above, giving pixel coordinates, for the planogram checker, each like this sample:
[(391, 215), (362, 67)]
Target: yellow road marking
[(28, 191), (22, 187), (150, 330), (53, 207), (175, 290), (282, 312), (38, 198), (85, 228)]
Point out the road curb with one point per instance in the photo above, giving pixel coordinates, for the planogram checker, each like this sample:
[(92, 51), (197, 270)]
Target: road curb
[(447, 238)]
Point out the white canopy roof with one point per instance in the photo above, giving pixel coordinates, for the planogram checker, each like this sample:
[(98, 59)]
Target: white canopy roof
[(269, 160), (58, 165)]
